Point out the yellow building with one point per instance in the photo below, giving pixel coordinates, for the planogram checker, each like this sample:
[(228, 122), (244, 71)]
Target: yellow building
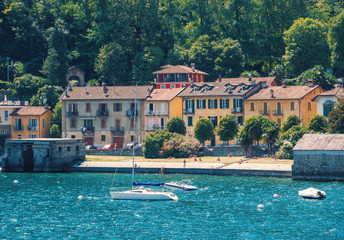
[(213, 101), (159, 107), (278, 102), (31, 122)]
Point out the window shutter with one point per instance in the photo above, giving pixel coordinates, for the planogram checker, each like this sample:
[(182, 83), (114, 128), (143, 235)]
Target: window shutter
[(234, 103), (193, 104), (197, 104), (215, 103), (114, 107), (240, 103), (221, 103), (204, 103), (209, 103), (70, 107)]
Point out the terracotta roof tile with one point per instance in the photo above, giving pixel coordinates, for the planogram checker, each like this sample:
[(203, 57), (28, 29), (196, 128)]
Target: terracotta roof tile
[(30, 111), (164, 94), (268, 80), (177, 69), (216, 89), (112, 92), (279, 92), (337, 92)]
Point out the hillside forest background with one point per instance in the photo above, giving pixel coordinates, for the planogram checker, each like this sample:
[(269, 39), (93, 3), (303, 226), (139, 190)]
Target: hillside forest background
[(120, 42)]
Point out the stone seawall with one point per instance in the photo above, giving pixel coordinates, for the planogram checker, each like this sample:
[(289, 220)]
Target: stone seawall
[(201, 171)]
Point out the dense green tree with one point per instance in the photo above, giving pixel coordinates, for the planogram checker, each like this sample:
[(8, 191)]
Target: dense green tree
[(318, 123), (228, 128), (248, 74), (292, 120), (336, 39), (245, 141), (47, 95), (54, 131), (27, 85), (336, 118), (270, 134), (154, 141), (56, 117), (204, 130), (254, 127), (180, 146), (176, 125), (306, 45)]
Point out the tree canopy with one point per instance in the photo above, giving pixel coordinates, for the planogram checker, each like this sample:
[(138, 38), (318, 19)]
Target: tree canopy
[(204, 130), (176, 125)]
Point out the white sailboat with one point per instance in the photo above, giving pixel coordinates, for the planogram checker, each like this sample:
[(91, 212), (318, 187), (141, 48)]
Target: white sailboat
[(140, 193), (312, 193), (182, 185)]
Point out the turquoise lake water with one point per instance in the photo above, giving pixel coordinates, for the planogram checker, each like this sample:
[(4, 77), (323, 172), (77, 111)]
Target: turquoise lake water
[(46, 206)]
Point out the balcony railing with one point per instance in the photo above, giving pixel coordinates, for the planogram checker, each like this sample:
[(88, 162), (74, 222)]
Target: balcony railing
[(236, 110), (189, 111), (150, 113), (117, 129), (155, 113), (264, 112), (5, 130), (87, 129), (102, 113), (154, 128), (32, 128), (277, 112), (18, 128), (72, 113), (131, 113)]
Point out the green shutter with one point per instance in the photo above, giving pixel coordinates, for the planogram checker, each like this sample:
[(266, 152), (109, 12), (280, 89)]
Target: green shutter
[(197, 104), (221, 103), (215, 103)]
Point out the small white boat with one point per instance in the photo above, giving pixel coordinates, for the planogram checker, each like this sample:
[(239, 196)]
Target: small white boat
[(312, 193), (143, 194), (183, 185)]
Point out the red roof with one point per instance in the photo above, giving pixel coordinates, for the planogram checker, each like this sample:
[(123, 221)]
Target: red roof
[(164, 94), (30, 111), (169, 69)]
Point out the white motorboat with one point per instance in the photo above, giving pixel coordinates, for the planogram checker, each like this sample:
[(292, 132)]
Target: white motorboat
[(183, 185), (143, 194), (312, 193), (140, 193)]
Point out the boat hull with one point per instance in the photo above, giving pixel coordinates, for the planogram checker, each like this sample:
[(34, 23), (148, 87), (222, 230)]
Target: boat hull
[(185, 188), (312, 193), (143, 196)]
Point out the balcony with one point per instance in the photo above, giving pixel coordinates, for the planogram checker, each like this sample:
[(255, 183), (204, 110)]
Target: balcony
[(264, 112), (18, 128), (131, 113), (236, 110), (154, 128), (72, 113), (87, 129), (117, 129), (32, 128), (150, 113), (189, 111), (103, 113), (5, 130), (277, 112)]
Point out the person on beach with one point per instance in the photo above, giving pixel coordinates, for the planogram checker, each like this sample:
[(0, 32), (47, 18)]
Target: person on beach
[(218, 158), (184, 162), (229, 155)]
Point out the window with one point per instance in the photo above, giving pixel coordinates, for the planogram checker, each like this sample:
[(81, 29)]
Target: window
[(103, 138), (201, 104), (237, 105), (88, 107), (6, 115), (212, 103), (239, 119), (173, 86), (151, 107), (103, 123), (224, 103), (19, 124), (132, 138), (292, 105), (73, 107), (72, 123), (73, 136), (265, 108), (88, 124), (309, 106), (117, 107), (43, 123), (251, 106), (19, 136), (189, 106), (189, 121), (162, 87), (213, 121), (68, 149), (32, 124)]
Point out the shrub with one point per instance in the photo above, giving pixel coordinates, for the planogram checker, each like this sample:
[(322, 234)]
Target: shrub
[(179, 146)]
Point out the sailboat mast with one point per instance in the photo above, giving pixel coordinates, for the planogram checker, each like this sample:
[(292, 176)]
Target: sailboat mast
[(133, 168)]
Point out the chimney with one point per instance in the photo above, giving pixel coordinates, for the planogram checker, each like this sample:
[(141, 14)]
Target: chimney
[(66, 92), (283, 84), (193, 67), (272, 93), (310, 83), (70, 87), (148, 92), (220, 78), (104, 87), (253, 82)]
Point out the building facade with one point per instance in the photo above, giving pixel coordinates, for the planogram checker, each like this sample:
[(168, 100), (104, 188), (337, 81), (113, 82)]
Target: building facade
[(278, 102), (213, 101), (160, 106), (178, 76), (31, 122), (327, 100), (104, 115)]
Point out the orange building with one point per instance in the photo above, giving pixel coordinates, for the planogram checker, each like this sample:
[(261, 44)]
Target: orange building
[(31, 122), (178, 76), (278, 102)]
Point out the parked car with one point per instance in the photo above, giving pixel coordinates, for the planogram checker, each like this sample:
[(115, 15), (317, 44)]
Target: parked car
[(108, 147), (130, 146), (89, 147)]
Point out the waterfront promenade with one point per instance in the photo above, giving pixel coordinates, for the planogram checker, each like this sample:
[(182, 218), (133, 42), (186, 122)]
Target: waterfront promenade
[(216, 168)]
